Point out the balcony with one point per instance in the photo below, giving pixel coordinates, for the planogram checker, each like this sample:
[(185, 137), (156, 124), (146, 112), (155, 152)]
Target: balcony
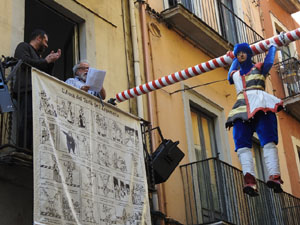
[(210, 24), (289, 72), (16, 126), (291, 6), (213, 193)]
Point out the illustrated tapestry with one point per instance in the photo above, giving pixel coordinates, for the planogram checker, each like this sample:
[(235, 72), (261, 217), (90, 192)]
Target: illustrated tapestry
[(88, 159)]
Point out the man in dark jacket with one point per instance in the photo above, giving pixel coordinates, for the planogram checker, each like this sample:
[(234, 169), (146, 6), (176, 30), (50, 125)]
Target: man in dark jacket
[(31, 54)]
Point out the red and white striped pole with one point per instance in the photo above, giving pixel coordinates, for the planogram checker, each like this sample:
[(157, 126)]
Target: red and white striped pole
[(257, 48)]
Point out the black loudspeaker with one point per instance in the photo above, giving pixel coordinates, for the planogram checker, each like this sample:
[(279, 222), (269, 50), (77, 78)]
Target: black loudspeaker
[(165, 159)]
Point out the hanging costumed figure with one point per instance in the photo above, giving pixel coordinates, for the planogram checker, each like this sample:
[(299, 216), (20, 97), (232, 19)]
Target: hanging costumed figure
[(254, 111)]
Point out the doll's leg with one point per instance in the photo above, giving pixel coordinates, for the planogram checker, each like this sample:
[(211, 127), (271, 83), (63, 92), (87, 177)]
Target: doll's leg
[(268, 136), (242, 134)]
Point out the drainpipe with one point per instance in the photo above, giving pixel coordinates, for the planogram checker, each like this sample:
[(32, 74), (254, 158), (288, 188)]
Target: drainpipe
[(136, 57), (157, 204)]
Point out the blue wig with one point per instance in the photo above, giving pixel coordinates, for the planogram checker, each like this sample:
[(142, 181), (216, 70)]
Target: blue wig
[(243, 47), (245, 66)]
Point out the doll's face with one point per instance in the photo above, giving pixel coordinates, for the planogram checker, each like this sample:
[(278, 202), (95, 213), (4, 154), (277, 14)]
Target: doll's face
[(241, 56)]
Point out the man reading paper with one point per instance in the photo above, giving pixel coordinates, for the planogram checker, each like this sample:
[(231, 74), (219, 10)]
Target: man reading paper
[(79, 81)]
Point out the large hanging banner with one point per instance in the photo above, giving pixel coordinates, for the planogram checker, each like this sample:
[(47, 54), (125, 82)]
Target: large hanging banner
[(88, 159)]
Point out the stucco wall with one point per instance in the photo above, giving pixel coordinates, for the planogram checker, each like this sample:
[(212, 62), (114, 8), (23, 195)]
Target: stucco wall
[(289, 127), (170, 53), (102, 42)]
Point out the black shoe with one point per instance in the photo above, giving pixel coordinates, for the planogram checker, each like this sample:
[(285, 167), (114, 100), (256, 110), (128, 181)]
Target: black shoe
[(251, 191), (275, 182), (250, 187)]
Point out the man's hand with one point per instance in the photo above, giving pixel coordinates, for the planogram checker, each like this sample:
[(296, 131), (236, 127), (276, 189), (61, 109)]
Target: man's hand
[(53, 56), (85, 88)]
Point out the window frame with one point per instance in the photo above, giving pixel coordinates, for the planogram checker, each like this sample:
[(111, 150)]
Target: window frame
[(210, 107), (210, 118)]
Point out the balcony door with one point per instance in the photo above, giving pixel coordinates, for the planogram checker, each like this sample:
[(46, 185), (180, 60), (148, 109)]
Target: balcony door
[(62, 32), (229, 25), (204, 135), (288, 68)]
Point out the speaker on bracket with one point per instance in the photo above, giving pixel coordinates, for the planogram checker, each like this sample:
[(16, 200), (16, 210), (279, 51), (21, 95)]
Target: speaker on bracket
[(165, 159)]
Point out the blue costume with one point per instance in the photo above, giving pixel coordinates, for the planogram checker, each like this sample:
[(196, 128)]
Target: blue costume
[(254, 111)]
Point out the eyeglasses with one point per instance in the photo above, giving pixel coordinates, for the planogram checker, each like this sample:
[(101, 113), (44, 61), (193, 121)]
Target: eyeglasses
[(83, 68)]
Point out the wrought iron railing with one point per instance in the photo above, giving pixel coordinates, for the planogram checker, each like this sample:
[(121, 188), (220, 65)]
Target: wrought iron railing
[(16, 126), (222, 20), (213, 192), (289, 72)]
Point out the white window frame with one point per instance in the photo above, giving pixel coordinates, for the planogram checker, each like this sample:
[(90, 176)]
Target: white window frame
[(221, 135), (292, 46), (296, 142)]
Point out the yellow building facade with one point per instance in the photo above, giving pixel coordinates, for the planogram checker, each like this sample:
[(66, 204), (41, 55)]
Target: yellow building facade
[(140, 41)]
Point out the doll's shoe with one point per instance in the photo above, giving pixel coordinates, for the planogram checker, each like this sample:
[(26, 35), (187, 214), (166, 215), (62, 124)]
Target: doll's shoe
[(250, 187), (275, 182)]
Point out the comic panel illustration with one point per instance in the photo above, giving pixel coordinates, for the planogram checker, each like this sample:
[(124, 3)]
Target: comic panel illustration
[(107, 214), (89, 211), (120, 161), (49, 167), (75, 144), (87, 179), (131, 138), (136, 164), (105, 185), (121, 189), (138, 194), (66, 110), (126, 215), (83, 146), (67, 141), (46, 104), (82, 117), (71, 173), (47, 133), (116, 132), (100, 125), (50, 203), (69, 203), (102, 154)]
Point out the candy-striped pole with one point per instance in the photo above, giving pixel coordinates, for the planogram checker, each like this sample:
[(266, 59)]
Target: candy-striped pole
[(257, 48)]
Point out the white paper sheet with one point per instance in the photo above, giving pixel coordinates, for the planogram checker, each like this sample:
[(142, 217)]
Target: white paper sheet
[(95, 79)]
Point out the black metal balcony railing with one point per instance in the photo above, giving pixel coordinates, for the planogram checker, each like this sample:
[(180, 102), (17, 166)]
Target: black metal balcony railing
[(222, 20), (213, 192), (289, 72), (16, 126)]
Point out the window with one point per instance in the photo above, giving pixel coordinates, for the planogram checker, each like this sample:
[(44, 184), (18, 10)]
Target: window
[(288, 68), (172, 2), (61, 25), (296, 147), (204, 127), (203, 133), (230, 29), (285, 52)]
